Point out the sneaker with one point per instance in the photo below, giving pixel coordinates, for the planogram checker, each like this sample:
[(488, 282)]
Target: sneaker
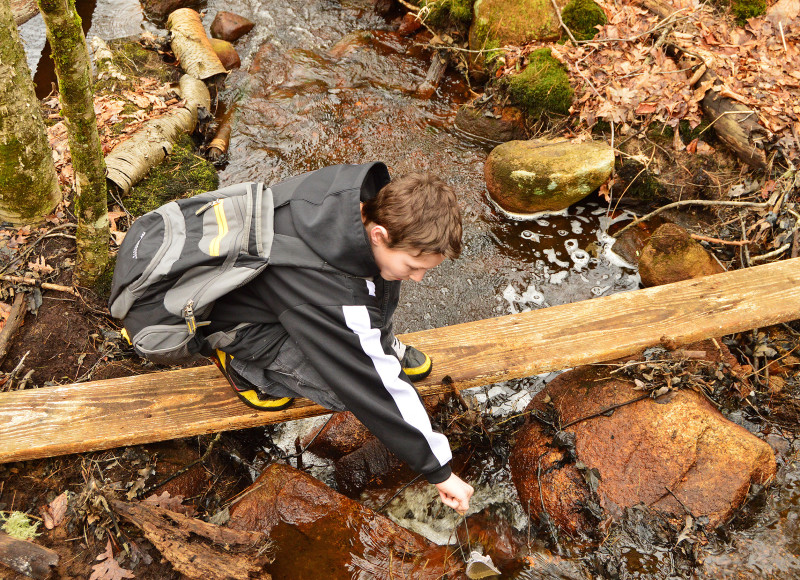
[(416, 364), (245, 390)]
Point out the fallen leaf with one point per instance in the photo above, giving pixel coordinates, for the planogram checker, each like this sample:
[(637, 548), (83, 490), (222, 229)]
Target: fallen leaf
[(109, 568), (54, 513)]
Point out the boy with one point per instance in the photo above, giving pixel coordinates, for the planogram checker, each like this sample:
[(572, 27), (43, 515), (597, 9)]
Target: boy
[(325, 333)]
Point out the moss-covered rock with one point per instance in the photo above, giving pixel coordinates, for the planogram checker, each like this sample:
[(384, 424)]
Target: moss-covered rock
[(744, 9), (443, 12), (181, 174), (671, 256), (581, 17), (543, 86), (498, 23), (526, 177)]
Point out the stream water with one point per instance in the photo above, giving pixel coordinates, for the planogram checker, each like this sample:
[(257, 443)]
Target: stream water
[(326, 82)]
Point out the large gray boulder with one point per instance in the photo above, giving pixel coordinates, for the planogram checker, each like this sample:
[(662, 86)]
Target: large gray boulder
[(527, 177)]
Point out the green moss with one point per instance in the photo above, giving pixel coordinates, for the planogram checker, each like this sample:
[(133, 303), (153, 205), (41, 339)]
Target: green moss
[(444, 11), (744, 9), (581, 17), (486, 43), (19, 526), (181, 174), (134, 61), (543, 86)]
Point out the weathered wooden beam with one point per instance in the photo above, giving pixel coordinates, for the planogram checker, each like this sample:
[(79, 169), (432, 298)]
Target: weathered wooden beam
[(158, 406)]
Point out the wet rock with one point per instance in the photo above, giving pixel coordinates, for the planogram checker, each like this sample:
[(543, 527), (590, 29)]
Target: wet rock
[(158, 10), (667, 453), (318, 533), (229, 26), (226, 53), (631, 242), (671, 255), (409, 25), (526, 177), (343, 434), (370, 465), (498, 124)]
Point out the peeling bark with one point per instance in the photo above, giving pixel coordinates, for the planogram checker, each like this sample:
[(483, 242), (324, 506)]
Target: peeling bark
[(191, 45), (71, 59), (29, 187), (130, 161)]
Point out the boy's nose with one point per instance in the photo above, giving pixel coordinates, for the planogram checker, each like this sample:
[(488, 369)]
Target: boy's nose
[(417, 276)]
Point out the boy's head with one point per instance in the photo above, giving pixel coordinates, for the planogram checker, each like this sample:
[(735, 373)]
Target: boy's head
[(413, 224)]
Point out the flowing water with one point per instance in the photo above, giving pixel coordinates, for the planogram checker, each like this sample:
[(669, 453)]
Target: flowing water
[(325, 82)]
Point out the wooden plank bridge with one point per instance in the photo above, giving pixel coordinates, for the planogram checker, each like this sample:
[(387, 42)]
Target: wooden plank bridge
[(141, 409)]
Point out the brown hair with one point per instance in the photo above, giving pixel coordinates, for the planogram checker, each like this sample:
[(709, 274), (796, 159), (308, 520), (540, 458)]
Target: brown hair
[(420, 212)]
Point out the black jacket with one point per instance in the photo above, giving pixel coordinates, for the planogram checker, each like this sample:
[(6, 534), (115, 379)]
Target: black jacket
[(340, 317)]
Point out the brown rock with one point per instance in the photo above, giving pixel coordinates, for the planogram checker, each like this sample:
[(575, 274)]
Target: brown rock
[(671, 256), (500, 125), (318, 533), (229, 26), (158, 10), (342, 435), (645, 452), (226, 53), (409, 25)]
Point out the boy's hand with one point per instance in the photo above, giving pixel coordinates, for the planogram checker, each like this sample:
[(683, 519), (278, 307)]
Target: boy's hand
[(455, 492)]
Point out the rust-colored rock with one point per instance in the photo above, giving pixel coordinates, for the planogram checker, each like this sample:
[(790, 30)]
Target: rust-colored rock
[(319, 533), (342, 435), (645, 452), (409, 25), (229, 26), (671, 256), (227, 53)]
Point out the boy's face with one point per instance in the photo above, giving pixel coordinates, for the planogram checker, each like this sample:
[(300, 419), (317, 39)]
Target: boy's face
[(396, 264), (402, 265)]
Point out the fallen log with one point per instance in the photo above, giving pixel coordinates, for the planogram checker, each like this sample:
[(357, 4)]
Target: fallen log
[(196, 548), (131, 160), (735, 124), (111, 413), (191, 45), (27, 558)]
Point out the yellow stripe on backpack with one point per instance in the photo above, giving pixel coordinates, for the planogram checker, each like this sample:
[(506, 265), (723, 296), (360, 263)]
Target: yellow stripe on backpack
[(222, 225)]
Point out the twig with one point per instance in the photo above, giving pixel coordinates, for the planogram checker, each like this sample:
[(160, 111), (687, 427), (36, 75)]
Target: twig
[(719, 241), (691, 202), (34, 282), (771, 254), (13, 322), (33, 245), (726, 113), (564, 26), (683, 505), (181, 471), (783, 39), (409, 6), (606, 410)]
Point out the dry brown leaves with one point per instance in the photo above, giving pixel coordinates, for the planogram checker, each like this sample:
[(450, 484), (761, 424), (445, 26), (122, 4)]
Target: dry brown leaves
[(626, 77), (150, 98)]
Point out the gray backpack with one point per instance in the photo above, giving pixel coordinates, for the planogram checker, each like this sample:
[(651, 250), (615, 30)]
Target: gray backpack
[(177, 260)]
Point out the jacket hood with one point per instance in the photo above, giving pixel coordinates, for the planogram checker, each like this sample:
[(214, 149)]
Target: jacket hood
[(326, 213)]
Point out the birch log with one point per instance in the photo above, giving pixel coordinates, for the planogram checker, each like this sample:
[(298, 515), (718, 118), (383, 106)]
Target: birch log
[(130, 161), (191, 45)]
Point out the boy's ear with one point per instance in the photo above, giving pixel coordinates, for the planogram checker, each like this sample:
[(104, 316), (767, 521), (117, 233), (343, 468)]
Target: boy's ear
[(378, 235)]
